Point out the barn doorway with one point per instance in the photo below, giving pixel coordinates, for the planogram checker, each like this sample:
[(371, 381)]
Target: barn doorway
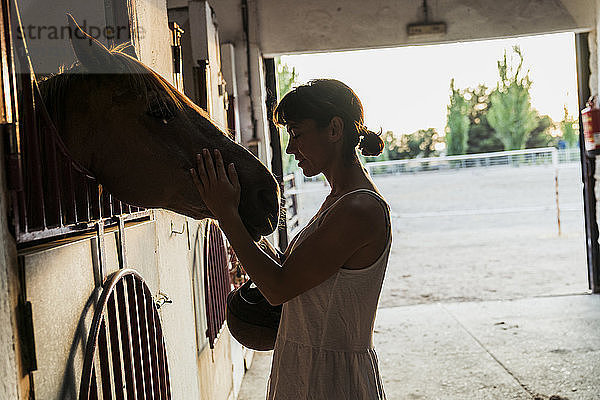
[(485, 223), (481, 273)]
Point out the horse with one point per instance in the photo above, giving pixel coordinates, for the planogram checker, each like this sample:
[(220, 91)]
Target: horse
[(139, 136)]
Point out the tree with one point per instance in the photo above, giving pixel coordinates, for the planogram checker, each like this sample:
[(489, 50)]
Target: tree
[(510, 112), (540, 136), (569, 127), (286, 78), (482, 137), (419, 144), (457, 127), (391, 149)]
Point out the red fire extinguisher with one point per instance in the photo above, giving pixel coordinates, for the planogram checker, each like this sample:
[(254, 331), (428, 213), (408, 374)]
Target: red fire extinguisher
[(590, 117)]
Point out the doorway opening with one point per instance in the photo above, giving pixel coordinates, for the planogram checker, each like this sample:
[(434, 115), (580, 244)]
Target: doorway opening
[(491, 219)]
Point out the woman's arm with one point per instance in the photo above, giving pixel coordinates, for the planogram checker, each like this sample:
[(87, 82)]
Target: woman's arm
[(271, 251), (347, 228), (221, 194)]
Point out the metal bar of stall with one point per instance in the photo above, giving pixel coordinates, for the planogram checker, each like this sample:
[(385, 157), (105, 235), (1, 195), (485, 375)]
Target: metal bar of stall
[(68, 193), (52, 192), (125, 298), (55, 190), (115, 346), (136, 348), (152, 343), (144, 338), (224, 272), (36, 209), (165, 385), (213, 311), (218, 278), (126, 344), (208, 291), (214, 286), (104, 361)]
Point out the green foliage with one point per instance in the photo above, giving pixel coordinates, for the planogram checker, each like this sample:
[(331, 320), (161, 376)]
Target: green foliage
[(415, 145), (391, 149), (457, 128), (510, 113), (540, 135), (419, 144), (569, 127), (286, 79), (502, 119), (482, 137)]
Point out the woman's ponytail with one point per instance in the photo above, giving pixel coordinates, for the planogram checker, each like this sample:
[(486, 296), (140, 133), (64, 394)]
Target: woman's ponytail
[(370, 143)]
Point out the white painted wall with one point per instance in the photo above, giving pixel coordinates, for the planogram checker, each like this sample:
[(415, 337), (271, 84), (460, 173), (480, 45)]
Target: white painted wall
[(231, 31), (154, 45), (178, 318), (60, 286), (205, 46), (228, 66)]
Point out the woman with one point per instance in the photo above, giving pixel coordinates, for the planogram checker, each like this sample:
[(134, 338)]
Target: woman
[(330, 281)]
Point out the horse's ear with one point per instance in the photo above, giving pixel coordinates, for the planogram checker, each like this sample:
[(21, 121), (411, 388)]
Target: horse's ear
[(91, 53)]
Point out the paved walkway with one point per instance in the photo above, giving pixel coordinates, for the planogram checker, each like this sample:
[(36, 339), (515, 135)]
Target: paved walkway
[(534, 348)]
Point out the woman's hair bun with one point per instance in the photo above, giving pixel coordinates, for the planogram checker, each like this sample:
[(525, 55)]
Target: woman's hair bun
[(371, 143)]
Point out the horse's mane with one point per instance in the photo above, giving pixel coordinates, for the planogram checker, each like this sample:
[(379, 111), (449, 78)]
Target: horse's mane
[(54, 87)]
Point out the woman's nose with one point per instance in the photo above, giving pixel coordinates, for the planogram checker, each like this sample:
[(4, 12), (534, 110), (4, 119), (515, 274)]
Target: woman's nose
[(289, 147)]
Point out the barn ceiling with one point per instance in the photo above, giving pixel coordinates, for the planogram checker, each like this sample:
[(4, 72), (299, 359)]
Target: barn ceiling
[(292, 26)]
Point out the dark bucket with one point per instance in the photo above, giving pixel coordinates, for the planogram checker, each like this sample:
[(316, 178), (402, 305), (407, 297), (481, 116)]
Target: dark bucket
[(251, 320)]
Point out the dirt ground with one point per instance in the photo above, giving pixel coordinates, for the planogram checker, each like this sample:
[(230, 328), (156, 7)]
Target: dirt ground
[(479, 234)]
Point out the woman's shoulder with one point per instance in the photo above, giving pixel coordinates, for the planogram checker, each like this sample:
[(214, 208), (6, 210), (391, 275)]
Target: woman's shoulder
[(365, 216), (364, 198), (367, 205)]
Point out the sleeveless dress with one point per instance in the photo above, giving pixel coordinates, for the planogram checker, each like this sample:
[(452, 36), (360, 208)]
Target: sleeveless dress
[(324, 347)]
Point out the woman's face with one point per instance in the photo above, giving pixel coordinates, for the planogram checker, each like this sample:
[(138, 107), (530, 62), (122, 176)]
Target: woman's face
[(309, 145)]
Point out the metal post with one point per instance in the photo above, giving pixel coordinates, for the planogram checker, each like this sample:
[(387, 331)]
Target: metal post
[(276, 160), (100, 261), (588, 165), (121, 251), (555, 164)]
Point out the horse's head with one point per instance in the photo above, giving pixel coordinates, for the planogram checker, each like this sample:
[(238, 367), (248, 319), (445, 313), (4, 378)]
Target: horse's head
[(139, 136)]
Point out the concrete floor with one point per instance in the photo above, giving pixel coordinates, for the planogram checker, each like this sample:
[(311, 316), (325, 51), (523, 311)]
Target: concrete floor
[(534, 348)]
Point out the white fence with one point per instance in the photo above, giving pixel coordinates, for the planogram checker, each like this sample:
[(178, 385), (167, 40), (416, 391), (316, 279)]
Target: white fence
[(514, 158)]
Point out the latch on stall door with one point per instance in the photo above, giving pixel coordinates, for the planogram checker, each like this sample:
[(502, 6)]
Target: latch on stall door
[(162, 299)]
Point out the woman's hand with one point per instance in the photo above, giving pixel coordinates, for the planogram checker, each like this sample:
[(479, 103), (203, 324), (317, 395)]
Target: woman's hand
[(219, 190)]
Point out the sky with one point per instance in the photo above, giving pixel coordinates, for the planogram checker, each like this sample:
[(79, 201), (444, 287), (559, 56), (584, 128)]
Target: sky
[(407, 88)]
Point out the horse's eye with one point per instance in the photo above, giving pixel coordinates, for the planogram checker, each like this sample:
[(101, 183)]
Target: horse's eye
[(160, 108)]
